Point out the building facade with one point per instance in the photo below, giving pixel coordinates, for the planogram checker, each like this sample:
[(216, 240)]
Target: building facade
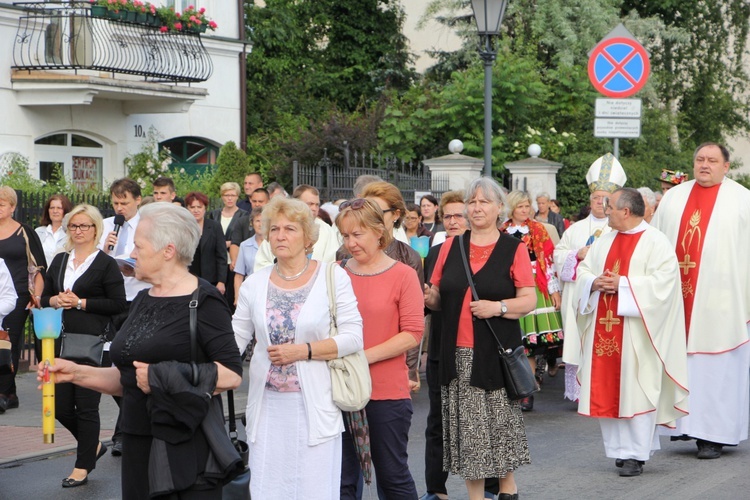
[(83, 91)]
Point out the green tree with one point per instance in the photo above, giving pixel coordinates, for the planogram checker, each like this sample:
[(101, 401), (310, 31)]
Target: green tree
[(310, 57), (231, 166)]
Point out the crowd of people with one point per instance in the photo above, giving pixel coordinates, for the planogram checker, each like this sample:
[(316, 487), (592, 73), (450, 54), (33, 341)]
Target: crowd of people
[(649, 337)]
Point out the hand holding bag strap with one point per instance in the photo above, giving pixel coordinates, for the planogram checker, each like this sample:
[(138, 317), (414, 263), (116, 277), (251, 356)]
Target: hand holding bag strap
[(474, 290), (193, 305)]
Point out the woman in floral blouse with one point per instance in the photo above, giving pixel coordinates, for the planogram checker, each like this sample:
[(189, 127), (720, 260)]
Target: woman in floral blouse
[(542, 328)]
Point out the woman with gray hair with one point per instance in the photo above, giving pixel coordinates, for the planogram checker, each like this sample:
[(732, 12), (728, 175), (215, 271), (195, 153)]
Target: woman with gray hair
[(87, 284), (483, 430), (293, 424), (157, 331)]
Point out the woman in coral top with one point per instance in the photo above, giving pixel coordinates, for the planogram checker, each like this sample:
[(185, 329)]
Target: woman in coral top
[(390, 301), (483, 431)]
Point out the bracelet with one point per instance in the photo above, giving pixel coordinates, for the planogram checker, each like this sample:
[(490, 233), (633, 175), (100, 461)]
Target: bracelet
[(309, 351)]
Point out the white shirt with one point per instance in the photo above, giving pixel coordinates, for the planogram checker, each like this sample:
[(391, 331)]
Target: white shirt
[(132, 285), (72, 273), (52, 242), (8, 295)]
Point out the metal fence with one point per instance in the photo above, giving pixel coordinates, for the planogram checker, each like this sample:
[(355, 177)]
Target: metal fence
[(31, 205), (335, 178), (64, 35)]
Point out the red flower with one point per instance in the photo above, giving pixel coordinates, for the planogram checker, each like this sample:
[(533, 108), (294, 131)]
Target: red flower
[(178, 26), (163, 29)]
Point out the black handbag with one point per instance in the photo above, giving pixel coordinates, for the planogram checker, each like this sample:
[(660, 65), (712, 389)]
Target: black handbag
[(81, 348), (238, 486), (519, 379)]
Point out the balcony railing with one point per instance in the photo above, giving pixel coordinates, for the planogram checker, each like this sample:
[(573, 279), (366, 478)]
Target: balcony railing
[(65, 36)]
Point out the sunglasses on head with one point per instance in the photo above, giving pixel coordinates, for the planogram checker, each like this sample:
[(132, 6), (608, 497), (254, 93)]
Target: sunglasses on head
[(358, 203)]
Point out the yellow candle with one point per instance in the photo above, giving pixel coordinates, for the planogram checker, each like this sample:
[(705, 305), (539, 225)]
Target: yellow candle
[(48, 392)]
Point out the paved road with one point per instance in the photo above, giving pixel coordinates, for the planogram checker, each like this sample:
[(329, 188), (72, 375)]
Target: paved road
[(566, 450)]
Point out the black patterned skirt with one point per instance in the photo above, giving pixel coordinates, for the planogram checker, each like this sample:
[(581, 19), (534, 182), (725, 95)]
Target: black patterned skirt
[(483, 432)]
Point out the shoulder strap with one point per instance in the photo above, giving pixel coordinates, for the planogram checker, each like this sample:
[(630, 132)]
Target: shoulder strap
[(474, 290), (29, 256), (193, 305), (331, 285)]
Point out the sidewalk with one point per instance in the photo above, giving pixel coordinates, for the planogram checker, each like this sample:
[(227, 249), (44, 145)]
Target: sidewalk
[(21, 428)]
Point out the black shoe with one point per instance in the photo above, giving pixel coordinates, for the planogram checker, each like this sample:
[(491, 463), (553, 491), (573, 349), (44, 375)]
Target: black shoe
[(12, 401), (3, 403), (682, 437), (619, 462), (508, 496), (116, 449), (72, 483), (708, 450), (527, 404), (102, 451), (631, 467)]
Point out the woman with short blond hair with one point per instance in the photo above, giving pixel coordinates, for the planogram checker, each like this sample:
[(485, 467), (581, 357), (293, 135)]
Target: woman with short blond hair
[(292, 421)]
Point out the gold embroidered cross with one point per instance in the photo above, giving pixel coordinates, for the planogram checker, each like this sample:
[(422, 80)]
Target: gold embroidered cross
[(608, 321), (687, 264)]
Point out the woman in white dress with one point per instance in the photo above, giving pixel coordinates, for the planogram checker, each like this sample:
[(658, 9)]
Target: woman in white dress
[(293, 426)]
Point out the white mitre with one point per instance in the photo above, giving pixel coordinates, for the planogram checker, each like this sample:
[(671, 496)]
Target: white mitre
[(606, 174)]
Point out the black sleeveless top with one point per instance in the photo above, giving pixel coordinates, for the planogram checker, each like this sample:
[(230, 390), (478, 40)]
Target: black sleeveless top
[(493, 282)]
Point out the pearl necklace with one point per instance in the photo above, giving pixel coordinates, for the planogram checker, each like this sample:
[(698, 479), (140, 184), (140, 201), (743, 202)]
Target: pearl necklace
[(292, 278)]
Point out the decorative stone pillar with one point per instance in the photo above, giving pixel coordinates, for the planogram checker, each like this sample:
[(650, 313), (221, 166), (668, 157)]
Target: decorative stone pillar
[(534, 175), (460, 170)]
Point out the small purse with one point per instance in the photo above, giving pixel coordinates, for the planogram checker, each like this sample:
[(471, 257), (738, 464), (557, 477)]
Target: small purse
[(82, 348), (519, 379), (351, 386)]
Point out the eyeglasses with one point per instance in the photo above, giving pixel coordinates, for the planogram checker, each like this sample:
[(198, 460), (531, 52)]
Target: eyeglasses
[(458, 217), (83, 227), (354, 204)]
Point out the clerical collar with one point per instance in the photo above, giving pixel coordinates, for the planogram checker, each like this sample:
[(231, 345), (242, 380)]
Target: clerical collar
[(597, 219), (637, 229)]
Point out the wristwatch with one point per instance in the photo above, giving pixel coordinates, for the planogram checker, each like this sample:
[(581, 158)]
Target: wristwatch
[(503, 308), (78, 306)]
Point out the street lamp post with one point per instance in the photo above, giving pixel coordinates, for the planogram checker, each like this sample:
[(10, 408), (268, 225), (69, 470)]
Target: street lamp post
[(489, 16)]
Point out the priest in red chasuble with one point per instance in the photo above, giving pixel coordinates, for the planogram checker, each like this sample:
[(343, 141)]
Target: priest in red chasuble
[(633, 369), (707, 221)]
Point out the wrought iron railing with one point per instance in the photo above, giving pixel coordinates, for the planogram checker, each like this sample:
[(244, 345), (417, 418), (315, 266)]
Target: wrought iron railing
[(65, 36)]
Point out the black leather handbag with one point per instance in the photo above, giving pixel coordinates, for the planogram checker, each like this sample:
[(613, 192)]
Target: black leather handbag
[(519, 379), (82, 348), (238, 487)]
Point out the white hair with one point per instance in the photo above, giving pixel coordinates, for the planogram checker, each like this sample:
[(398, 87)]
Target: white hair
[(172, 224), (648, 196), (491, 190)]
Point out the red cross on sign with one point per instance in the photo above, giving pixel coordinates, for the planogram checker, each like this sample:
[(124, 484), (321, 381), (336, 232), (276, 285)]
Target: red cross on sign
[(619, 67)]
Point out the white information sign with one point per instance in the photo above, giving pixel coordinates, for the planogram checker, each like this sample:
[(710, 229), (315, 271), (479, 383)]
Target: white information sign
[(618, 108), (617, 128)]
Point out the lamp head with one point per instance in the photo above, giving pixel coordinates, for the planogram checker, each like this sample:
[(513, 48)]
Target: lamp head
[(47, 322), (489, 15)]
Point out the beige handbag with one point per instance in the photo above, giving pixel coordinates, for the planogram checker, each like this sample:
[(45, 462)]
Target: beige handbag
[(351, 385)]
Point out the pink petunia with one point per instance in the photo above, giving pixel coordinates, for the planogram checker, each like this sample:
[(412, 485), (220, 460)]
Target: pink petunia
[(213, 25), (198, 21), (203, 9), (192, 18), (178, 26), (163, 29)]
